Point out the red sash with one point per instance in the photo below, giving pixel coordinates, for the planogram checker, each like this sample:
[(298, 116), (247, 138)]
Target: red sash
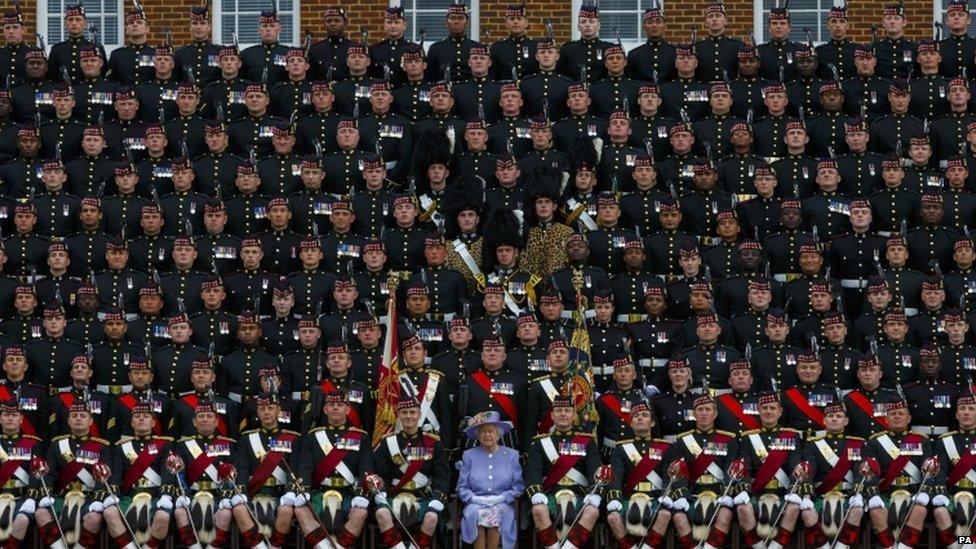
[(68, 399), (25, 424), (703, 460), (10, 466), (734, 406), (129, 401), (966, 462), (897, 465), (329, 462), (644, 467), (413, 468), (865, 405), (199, 465), (192, 400), (268, 465), (800, 401), (352, 414), (139, 466), (504, 401), (774, 460), (564, 463), (615, 406), (71, 469), (844, 464)]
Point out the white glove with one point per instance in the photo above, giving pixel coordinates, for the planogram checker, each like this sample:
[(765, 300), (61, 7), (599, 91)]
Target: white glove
[(301, 500), (28, 507), (742, 498), (726, 501), (666, 502), (165, 502), (856, 501), (921, 498), (680, 504), (238, 499), (614, 506), (224, 504), (96, 507), (593, 500), (876, 503), (288, 498), (46, 502), (435, 506), (806, 504), (182, 502), (380, 498), (651, 391), (479, 500), (494, 500), (360, 502), (110, 501), (540, 499), (940, 501), (789, 498)]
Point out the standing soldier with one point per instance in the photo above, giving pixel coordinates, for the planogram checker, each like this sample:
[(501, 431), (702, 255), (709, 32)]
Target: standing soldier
[(426, 385), (32, 399), (896, 54), (140, 379), (866, 403), (265, 62), (450, 55), (227, 411), (582, 60), (333, 458), (74, 493), (958, 474), (132, 64), (389, 51), (201, 56), (514, 57), (414, 468), (66, 56), (144, 496), (718, 54), (559, 471)]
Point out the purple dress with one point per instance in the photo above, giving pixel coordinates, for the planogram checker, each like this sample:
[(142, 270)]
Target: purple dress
[(486, 478)]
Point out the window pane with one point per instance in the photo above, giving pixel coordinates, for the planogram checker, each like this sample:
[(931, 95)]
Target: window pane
[(628, 23), (243, 17), (428, 15), (804, 14), (614, 5)]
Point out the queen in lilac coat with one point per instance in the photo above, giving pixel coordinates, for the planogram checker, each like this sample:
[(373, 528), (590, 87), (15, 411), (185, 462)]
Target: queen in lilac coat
[(489, 484)]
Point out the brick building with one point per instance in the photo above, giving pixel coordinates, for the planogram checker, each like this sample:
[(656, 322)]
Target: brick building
[(240, 16)]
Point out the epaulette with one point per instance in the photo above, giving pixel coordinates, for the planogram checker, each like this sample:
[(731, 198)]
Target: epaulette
[(355, 429), (57, 438), (186, 438), (948, 434), (584, 434), (432, 435), (289, 431), (30, 437), (619, 442), (686, 433), (123, 440), (102, 440), (540, 378), (745, 433), (540, 436), (727, 433), (854, 438), (661, 440), (249, 431), (315, 430), (228, 439), (923, 435), (164, 437), (790, 429), (816, 438), (878, 434)]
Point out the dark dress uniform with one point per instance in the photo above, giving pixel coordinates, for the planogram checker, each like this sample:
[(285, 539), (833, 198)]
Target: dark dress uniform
[(436, 412), (315, 449), (770, 455), (201, 58), (159, 403), (866, 410), (214, 449), (612, 93), (388, 53), (412, 100), (860, 173), (182, 209), (929, 97), (823, 452), (868, 95), (227, 411), (958, 54), (246, 214), (614, 406), (710, 361), (217, 171), (189, 131), (238, 373), (220, 250), (133, 452), (68, 456), (289, 415), (948, 133), (540, 461), (546, 88), (30, 98), (253, 133), (451, 52), (394, 457), (291, 96), (776, 60), (652, 61), (67, 133), (132, 64), (899, 363), (110, 364), (674, 412), (477, 91), (311, 287), (889, 130), (684, 95), (804, 405), (896, 57), (151, 253), (260, 57), (279, 335), (99, 404), (568, 130), (718, 53), (50, 360), (13, 58), (840, 54), (513, 58), (67, 54), (502, 391), (149, 330), (215, 327), (173, 365), (280, 174), (352, 93), (931, 402), (228, 95), (583, 54), (708, 453)]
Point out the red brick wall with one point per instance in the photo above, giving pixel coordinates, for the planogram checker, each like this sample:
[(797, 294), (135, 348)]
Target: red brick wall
[(682, 15)]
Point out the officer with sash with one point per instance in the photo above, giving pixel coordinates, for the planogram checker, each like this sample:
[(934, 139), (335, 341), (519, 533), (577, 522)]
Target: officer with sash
[(615, 405), (897, 456), (414, 468), (804, 403), (559, 470), (866, 404), (738, 410), (208, 457), (957, 454), (17, 485), (202, 377), (640, 464), (332, 458), (72, 459), (493, 387), (707, 454), (262, 460), (834, 460), (359, 402), (543, 390), (771, 453), (144, 484), (32, 398), (427, 387)]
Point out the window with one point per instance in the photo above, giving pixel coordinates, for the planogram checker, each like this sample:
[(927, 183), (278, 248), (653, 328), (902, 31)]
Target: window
[(939, 7), (243, 17), (430, 15), (104, 15), (804, 14), (624, 15)]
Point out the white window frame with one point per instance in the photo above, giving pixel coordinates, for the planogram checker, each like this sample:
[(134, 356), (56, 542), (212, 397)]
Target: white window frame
[(413, 31), (43, 18), (759, 21), (217, 22), (607, 34)]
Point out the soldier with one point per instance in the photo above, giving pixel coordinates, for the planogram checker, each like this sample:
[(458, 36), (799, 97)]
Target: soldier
[(709, 358), (72, 458), (333, 458), (546, 90), (66, 54), (460, 358), (140, 378), (560, 462), (132, 64), (100, 404), (387, 52), (111, 357), (415, 470), (896, 54), (50, 353), (493, 386), (514, 56), (447, 58), (586, 54), (686, 93), (892, 131), (954, 450), (411, 98), (738, 410), (337, 376), (12, 55), (249, 286), (36, 94), (860, 170), (839, 49), (200, 56), (203, 378), (866, 402), (804, 402), (930, 396), (929, 90), (32, 399), (616, 403), (265, 62), (21, 449), (144, 483), (211, 324), (958, 48), (173, 362), (870, 325)]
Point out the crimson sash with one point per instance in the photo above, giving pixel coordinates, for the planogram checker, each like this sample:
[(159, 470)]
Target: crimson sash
[(504, 401), (413, 468), (735, 407), (800, 401), (897, 465), (774, 460), (67, 398), (192, 400), (10, 466), (268, 465), (329, 462), (139, 466), (71, 469), (643, 468), (25, 424), (199, 465), (614, 404), (864, 404), (351, 412), (959, 470), (564, 463), (703, 460), (844, 464), (129, 401)]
